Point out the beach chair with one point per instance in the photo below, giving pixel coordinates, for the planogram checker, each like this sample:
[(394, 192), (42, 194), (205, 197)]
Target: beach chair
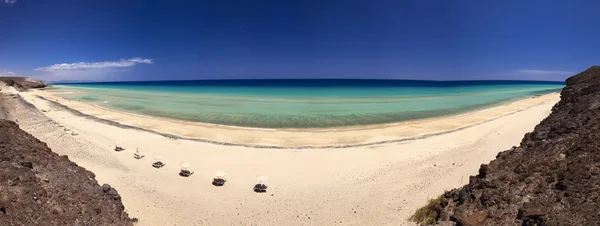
[(219, 179), (185, 173), (185, 170), (137, 154), (158, 164), (74, 133), (118, 148), (261, 184)]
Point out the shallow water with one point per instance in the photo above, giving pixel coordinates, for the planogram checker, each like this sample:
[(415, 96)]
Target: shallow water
[(301, 103)]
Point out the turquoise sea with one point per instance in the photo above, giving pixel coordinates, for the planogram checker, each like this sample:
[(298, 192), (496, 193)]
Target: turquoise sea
[(315, 103)]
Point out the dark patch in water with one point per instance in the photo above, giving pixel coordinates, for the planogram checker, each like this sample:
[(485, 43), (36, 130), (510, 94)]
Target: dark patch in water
[(88, 98)]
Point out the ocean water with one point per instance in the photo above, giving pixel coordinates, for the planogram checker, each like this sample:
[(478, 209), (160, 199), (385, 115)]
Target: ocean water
[(301, 103)]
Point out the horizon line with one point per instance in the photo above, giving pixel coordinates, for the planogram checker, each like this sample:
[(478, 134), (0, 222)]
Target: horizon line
[(289, 79)]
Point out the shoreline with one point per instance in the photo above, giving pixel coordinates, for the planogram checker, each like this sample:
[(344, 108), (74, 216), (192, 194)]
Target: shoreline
[(340, 137), (346, 137), (177, 137), (308, 129)]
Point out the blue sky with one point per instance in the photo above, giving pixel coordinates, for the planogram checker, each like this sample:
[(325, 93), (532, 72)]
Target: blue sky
[(169, 40)]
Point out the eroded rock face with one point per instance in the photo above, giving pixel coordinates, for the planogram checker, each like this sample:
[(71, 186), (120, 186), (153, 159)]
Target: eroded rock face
[(552, 178), (23, 83), (38, 187)]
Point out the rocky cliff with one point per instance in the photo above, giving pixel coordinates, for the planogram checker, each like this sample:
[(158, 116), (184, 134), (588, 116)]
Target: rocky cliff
[(23, 83), (552, 178), (38, 187)]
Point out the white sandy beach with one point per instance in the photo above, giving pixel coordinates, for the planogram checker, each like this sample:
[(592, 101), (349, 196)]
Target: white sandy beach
[(365, 185)]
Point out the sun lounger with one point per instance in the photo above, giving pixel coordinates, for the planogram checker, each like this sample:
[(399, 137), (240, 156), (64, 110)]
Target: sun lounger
[(261, 185), (117, 148), (185, 170), (158, 164), (219, 181), (260, 188), (186, 173)]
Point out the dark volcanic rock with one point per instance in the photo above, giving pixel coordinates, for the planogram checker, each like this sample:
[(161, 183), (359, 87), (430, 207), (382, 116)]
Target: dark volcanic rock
[(38, 187), (26, 164), (23, 83), (553, 178)]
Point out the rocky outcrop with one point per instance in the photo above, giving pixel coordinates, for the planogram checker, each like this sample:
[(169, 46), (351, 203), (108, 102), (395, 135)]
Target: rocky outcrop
[(39, 187), (23, 83), (552, 178)]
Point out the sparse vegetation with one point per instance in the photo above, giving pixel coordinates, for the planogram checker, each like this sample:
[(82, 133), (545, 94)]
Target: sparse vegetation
[(427, 214)]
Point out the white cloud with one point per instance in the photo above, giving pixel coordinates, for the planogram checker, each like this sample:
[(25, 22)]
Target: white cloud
[(140, 60), (543, 72), (10, 1), (95, 65), (7, 73)]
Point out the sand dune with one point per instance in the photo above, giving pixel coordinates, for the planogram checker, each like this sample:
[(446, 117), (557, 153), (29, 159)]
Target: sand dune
[(366, 185)]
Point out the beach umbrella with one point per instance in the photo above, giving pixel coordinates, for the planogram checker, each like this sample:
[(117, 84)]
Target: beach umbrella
[(185, 166), (220, 174), (262, 179)]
